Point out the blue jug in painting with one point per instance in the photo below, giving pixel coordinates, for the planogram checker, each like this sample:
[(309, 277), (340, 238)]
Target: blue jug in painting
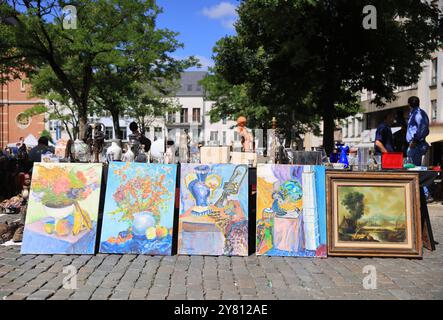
[(343, 155), (200, 191)]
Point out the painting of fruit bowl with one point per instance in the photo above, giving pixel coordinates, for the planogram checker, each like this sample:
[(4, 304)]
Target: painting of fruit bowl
[(139, 209), (63, 208)]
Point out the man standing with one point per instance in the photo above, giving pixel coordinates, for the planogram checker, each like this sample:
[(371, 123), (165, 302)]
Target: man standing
[(417, 131), (384, 141), (140, 136), (35, 155)]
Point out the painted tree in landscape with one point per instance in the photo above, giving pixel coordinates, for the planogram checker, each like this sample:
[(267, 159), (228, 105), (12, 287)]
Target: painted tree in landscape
[(354, 203), (115, 44), (303, 60)]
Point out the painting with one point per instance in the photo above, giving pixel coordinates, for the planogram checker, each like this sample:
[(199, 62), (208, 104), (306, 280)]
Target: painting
[(374, 214), (62, 209), (291, 210), (139, 209), (213, 210)]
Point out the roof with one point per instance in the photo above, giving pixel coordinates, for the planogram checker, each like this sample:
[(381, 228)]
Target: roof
[(189, 86)]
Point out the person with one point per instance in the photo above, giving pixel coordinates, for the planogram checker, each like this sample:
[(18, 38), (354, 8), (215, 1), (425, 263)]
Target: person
[(384, 141), (140, 137), (245, 135), (35, 155), (417, 131)]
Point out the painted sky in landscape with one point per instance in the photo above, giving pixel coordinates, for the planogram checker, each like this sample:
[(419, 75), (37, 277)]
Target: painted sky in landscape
[(200, 24)]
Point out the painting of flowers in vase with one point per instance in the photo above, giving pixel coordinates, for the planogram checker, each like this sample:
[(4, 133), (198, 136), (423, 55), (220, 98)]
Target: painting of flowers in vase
[(291, 210), (213, 216), (139, 209), (62, 209)]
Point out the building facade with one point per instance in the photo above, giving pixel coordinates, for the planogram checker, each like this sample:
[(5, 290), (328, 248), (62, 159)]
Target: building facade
[(192, 116), (14, 123)]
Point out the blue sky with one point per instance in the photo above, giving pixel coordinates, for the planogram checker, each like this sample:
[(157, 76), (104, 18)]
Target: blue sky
[(200, 24)]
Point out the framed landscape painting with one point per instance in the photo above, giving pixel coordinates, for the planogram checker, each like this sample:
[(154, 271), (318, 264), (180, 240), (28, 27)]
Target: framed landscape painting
[(291, 210), (62, 209), (374, 214), (213, 210), (139, 208)]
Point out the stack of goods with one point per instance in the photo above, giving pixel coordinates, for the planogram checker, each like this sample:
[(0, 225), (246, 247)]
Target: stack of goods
[(11, 231), (12, 205)]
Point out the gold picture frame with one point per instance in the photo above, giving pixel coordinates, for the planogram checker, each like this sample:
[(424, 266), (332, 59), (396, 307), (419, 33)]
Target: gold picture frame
[(373, 214)]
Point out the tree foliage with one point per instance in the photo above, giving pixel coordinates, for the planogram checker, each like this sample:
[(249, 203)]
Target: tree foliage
[(116, 43), (305, 59)]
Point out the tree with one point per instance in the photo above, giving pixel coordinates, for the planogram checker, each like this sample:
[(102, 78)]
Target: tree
[(149, 103), (115, 35), (289, 53)]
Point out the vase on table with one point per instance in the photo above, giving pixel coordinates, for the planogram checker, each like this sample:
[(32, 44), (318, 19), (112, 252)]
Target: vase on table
[(200, 191), (141, 222)]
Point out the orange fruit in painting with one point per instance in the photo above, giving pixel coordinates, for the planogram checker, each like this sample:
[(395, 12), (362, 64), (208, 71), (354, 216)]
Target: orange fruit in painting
[(62, 228), (161, 232)]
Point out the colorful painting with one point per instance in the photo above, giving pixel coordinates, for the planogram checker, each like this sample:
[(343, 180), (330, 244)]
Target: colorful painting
[(291, 210), (62, 209), (373, 214), (139, 208), (213, 210)]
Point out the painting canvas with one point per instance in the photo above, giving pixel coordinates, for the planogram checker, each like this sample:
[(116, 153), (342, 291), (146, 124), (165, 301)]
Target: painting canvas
[(213, 210), (291, 210), (139, 209), (62, 209), (376, 215)]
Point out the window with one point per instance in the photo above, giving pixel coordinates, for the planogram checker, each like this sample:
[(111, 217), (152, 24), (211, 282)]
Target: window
[(345, 128), (189, 87), (184, 115), (213, 136), (224, 120), (434, 71), (196, 115), (23, 121), (351, 128), (198, 88), (124, 132), (171, 117), (109, 133), (22, 86), (224, 138), (158, 132), (434, 111)]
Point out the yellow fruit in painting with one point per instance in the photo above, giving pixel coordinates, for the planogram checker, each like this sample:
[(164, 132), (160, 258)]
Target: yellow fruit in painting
[(151, 233), (170, 232), (161, 232), (62, 228), (49, 228)]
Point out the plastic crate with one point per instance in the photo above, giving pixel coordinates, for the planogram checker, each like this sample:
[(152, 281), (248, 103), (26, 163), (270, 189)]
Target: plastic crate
[(392, 160)]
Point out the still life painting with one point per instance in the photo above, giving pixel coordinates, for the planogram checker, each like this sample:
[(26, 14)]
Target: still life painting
[(62, 209), (378, 215), (139, 209), (291, 210), (213, 210)]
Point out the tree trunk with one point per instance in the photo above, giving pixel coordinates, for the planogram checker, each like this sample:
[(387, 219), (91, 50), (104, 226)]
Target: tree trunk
[(116, 122), (82, 125), (328, 110)]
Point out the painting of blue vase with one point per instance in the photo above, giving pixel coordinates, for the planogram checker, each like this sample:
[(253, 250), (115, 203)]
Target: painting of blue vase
[(213, 216)]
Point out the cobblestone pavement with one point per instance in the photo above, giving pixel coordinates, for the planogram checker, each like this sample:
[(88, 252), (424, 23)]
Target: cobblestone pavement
[(36, 277)]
